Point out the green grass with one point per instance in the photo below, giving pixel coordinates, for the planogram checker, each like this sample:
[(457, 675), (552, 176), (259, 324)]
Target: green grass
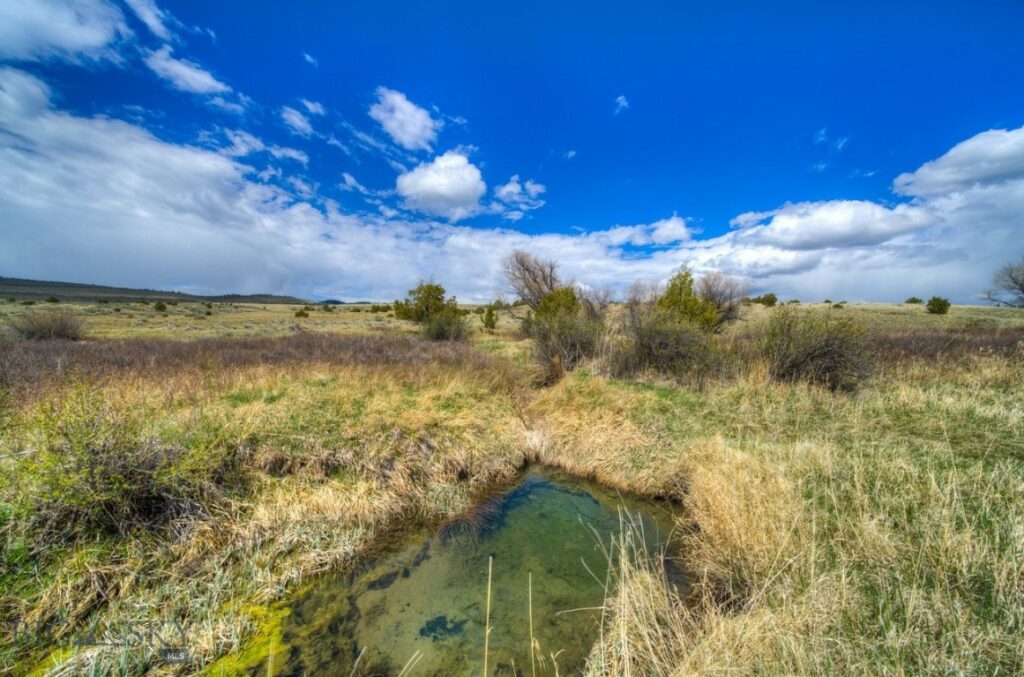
[(880, 531)]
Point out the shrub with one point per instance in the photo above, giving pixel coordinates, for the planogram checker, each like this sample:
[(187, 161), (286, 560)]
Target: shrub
[(445, 325), (28, 303), (11, 299), (116, 309), (326, 308), (426, 300), (725, 293), (489, 320), (50, 324), (564, 332), (298, 313), (680, 302), (654, 336), (160, 307), (659, 342), (440, 318), (100, 470), (819, 348), (102, 300), (938, 306), (52, 299), (767, 300), (914, 300)]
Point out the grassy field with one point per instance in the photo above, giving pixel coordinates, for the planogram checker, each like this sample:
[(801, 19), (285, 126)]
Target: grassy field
[(197, 320), (874, 532)]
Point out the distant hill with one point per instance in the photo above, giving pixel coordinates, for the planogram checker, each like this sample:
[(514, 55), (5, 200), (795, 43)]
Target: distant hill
[(37, 290)]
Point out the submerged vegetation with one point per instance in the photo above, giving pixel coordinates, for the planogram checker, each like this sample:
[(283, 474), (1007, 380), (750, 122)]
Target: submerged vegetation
[(851, 481)]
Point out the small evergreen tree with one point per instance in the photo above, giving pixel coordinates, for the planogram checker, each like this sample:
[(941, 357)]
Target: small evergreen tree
[(938, 305), (490, 321), (683, 303)]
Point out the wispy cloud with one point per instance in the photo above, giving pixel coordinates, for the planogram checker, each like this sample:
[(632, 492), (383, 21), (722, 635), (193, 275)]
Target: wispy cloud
[(296, 121), (310, 60), (182, 74), (155, 18), (43, 29), (313, 107), (621, 104)]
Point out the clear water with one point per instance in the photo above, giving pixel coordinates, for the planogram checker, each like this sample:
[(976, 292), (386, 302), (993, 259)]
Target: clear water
[(426, 601)]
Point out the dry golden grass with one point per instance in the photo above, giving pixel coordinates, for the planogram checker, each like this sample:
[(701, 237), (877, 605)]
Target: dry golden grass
[(876, 532)]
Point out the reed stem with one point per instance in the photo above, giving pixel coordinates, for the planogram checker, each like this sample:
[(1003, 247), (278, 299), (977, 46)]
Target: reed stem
[(487, 619)]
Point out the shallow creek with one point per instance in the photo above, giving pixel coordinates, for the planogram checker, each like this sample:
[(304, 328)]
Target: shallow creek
[(423, 605)]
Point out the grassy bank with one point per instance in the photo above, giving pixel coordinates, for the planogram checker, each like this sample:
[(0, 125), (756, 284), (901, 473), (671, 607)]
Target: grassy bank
[(878, 531)]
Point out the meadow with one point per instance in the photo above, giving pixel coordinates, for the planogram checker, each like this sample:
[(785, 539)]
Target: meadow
[(189, 469)]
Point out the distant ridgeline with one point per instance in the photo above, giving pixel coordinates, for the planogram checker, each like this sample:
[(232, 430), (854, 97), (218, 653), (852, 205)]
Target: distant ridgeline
[(36, 290)]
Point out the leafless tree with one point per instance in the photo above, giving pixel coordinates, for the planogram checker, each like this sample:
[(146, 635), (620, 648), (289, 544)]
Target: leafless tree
[(726, 293), (1009, 286), (531, 277), (595, 301)]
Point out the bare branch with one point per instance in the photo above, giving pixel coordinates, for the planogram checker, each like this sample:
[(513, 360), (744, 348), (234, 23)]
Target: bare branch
[(726, 293), (530, 277), (1009, 286)]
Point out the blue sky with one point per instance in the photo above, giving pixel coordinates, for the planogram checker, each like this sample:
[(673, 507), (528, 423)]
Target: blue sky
[(351, 149)]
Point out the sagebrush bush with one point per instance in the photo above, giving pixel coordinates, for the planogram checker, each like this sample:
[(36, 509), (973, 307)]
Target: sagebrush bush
[(99, 469), (50, 324), (160, 307), (298, 313), (938, 306), (821, 348), (913, 300), (652, 339), (446, 325), (767, 300), (564, 332)]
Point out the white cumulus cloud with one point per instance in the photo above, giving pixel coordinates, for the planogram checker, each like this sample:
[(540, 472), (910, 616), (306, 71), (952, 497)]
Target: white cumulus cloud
[(407, 124), (989, 157), (449, 186), (103, 200), (518, 197)]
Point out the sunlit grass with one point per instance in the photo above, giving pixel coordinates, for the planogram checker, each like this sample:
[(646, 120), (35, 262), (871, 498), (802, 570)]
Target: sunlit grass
[(880, 531)]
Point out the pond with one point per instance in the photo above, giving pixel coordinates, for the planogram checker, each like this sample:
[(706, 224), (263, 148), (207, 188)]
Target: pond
[(423, 606)]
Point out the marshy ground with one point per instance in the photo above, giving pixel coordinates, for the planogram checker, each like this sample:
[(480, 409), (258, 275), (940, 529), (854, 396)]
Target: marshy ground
[(195, 471)]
